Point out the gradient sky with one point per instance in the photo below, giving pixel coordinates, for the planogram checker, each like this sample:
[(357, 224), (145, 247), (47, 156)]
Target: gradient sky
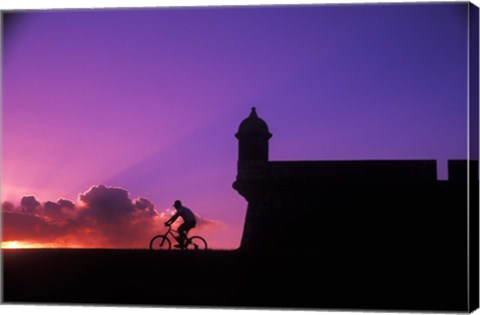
[(150, 100)]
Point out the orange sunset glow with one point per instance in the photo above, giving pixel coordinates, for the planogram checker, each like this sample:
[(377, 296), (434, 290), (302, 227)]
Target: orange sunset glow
[(19, 244), (102, 217)]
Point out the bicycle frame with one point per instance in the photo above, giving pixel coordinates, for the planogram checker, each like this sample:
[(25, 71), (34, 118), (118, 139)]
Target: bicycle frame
[(170, 232), (196, 241)]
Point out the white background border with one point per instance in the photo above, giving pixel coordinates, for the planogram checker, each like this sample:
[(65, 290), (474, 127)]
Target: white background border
[(50, 4), (124, 310)]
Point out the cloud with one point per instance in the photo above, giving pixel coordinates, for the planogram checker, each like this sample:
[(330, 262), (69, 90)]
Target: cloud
[(29, 227), (204, 223), (30, 204), (8, 206), (116, 219), (66, 204), (144, 207), (103, 217), (68, 209), (105, 205), (52, 208)]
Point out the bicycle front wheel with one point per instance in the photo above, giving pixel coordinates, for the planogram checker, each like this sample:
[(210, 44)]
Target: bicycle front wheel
[(196, 243), (160, 242)]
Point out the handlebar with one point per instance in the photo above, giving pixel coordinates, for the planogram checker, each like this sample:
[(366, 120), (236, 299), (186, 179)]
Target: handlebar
[(169, 226)]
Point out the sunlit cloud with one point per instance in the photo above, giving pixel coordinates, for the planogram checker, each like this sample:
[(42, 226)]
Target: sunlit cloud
[(102, 217)]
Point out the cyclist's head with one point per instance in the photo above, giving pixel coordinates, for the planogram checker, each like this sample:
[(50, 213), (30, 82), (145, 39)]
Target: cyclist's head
[(177, 204)]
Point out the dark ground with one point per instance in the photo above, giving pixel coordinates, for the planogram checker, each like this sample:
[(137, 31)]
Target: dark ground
[(354, 280)]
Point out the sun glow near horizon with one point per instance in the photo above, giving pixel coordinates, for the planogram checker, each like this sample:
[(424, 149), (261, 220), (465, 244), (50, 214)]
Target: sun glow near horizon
[(34, 245), (25, 245)]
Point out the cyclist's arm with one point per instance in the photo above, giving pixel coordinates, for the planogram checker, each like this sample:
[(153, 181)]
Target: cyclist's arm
[(172, 219)]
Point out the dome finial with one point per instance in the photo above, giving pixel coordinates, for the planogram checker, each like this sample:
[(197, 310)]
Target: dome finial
[(253, 125), (254, 112)]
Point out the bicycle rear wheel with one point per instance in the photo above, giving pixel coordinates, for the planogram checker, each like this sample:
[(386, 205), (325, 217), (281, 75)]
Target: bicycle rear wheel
[(160, 242), (196, 243)]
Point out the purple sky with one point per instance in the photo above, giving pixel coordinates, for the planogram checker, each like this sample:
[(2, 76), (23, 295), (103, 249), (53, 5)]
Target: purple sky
[(150, 100)]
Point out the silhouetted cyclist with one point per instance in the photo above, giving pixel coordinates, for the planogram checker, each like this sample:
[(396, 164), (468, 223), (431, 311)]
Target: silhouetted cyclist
[(188, 221)]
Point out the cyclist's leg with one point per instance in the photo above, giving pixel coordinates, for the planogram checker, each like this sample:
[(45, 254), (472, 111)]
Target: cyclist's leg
[(188, 226), (182, 233)]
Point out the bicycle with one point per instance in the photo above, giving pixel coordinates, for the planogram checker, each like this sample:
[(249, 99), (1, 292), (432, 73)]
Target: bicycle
[(162, 241)]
